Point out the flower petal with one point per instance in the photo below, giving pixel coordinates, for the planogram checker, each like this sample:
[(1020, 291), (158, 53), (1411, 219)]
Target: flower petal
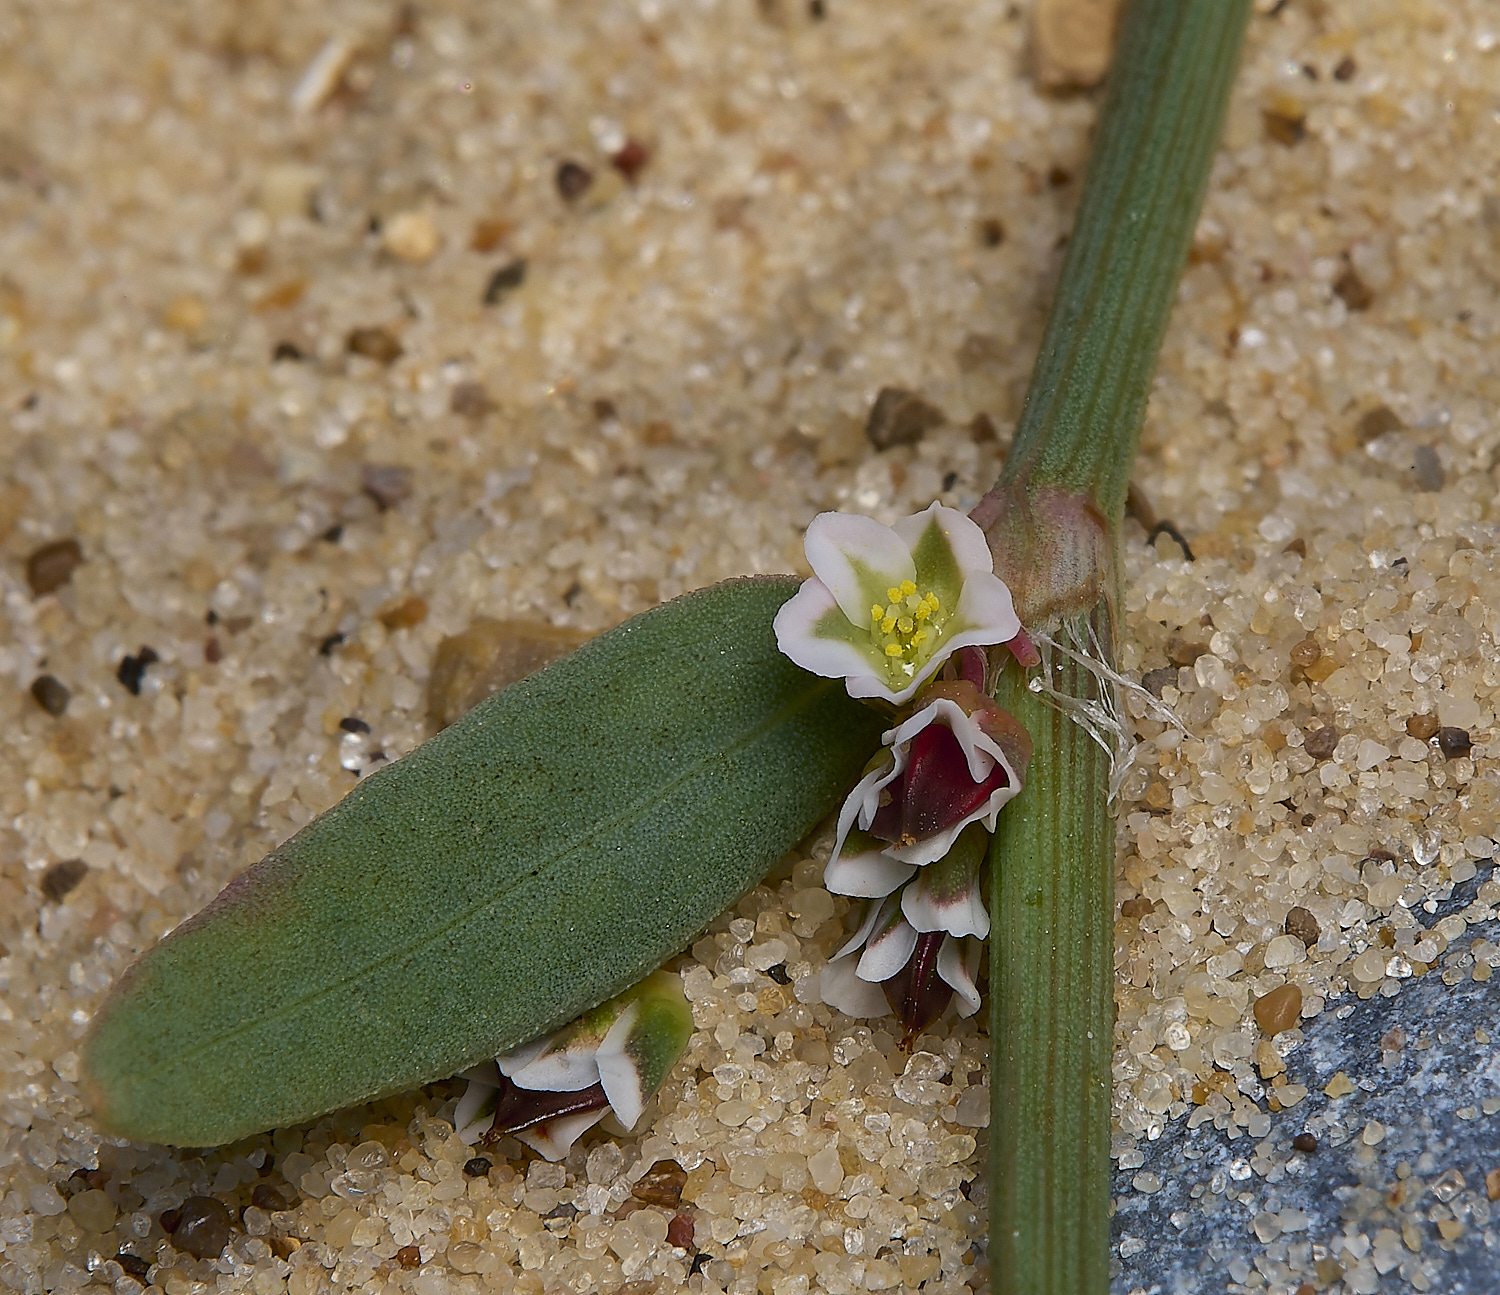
[(966, 546), (958, 965), (858, 559), (862, 867), (874, 914), (814, 633), (840, 987), (475, 1111), (946, 895), (644, 1044), (888, 950), (985, 613), (554, 1139)]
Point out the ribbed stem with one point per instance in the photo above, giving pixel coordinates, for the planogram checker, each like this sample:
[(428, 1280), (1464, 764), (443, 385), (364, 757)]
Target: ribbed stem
[(1052, 523)]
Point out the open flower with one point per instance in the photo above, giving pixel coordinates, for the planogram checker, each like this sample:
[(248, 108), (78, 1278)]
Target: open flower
[(957, 761), (888, 604), (550, 1092)]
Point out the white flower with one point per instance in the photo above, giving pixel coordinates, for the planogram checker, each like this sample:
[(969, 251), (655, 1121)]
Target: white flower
[(887, 605), (957, 761)]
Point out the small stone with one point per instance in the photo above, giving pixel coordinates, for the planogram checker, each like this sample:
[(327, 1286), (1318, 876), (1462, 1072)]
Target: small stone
[(1072, 41), (1301, 923), (386, 484), (1454, 742), (1136, 907), (52, 565), (661, 1184), (1153, 681), (1492, 1184), (1353, 291), (185, 314), (680, 1231), (50, 694), (203, 1227), (1297, 546), (1374, 1133), (169, 1220), (1427, 469), (93, 1210), (1279, 1010), (470, 400), (508, 277), (1305, 652), (476, 1167), (1286, 123), (61, 878), (409, 1257), (900, 417), (1321, 741), (486, 657), (411, 236), (991, 232), (133, 1264), (1345, 70), (1339, 1086), (489, 234), (1422, 727), (1377, 422), (630, 159), (132, 669), (1182, 652), (1305, 1143), (353, 724), (403, 615), (573, 180), (265, 1197), (779, 974), (1284, 951), (376, 344), (287, 351)]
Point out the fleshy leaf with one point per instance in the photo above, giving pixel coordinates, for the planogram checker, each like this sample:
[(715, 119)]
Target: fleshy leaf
[(543, 853)]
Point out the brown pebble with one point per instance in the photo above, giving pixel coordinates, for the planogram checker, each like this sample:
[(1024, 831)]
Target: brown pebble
[(1279, 1010), (991, 232), (1183, 652), (486, 657), (506, 279), (376, 344), (661, 1184), (169, 1220), (1393, 1040), (1285, 125), (1136, 907), (1377, 422), (203, 1227), (1072, 40), (1321, 741), (1453, 742), (982, 429), (476, 1167), (900, 417), (409, 1257), (50, 693), (133, 1264), (265, 1197), (1353, 291), (1422, 727), (1305, 652), (213, 651), (52, 565), (680, 1231), (1301, 923), (1305, 1143), (1153, 681), (489, 234), (61, 878), (470, 400), (1492, 1184), (386, 484), (1297, 546), (631, 159), (1345, 70), (573, 180), (404, 614)]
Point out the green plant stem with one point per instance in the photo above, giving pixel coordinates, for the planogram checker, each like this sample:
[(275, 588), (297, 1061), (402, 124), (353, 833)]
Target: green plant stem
[(1052, 522)]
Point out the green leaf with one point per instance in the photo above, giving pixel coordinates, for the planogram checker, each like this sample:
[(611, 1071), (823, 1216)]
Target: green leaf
[(540, 855)]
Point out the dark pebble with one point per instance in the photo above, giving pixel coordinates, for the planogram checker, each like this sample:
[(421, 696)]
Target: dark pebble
[(61, 878), (1320, 742), (133, 669), (604, 409), (50, 693), (213, 650), (1427, 468), (333, 534), (1377, 422), (386, 484), (661, 1184), (778, 973), (680, 1231), (376, 344), (470, 400), (409, 1257), (352, 724), (169, 1220), (900, 417), (133, 1264), (506, 279), (286, 351), (630, 160), (1454, 742), (1059, 177), (1153, 681), (991, 232), (817, 10), (1285, 128), (573, 180), (1345, 70), (53, 565), (476, 1167), (982, 429), (1301, 923), (1353, 291), (1183, 652), (325, 648), (567, 1210), (265, 1197), (1305, 1142), (203, 1227)]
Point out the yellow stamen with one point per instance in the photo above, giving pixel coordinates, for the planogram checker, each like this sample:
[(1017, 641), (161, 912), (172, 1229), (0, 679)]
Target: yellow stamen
[(893, 649), (887, 624), (877, 612), (893, 594), (905, 625), (907, 587)]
